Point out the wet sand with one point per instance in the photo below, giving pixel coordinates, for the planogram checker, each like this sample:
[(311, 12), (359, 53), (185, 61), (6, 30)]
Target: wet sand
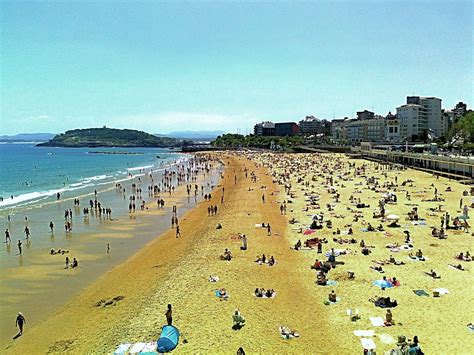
[(170, 270)]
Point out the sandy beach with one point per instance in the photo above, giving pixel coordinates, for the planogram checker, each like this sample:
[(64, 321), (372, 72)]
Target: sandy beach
[(176, 270)]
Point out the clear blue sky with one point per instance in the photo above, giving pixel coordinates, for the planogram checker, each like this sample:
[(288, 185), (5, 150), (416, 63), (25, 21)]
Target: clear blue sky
[(200, 66)]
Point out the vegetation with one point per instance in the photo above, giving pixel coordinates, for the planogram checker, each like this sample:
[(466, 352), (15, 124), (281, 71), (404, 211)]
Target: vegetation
[(463, 128), (109, 137), (252, 141)]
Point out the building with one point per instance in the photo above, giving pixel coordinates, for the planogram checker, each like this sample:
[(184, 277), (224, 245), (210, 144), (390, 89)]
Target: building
[(365, 115), (311, 125), (286, 129), (392, 128), (366, 130), (266, 128), (437, 125), (413, 121), (338, 129)]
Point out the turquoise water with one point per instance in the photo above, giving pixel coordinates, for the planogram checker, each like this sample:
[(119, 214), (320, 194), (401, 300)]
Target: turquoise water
[(30, 174)]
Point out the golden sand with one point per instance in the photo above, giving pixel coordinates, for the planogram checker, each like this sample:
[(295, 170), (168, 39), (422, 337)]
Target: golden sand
[(170, 270)]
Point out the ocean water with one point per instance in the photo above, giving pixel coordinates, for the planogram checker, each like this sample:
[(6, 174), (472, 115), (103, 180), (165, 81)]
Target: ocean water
[(30, 175)]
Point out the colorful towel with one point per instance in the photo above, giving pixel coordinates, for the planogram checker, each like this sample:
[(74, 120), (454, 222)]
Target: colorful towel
[(421, 293), (442, 291)]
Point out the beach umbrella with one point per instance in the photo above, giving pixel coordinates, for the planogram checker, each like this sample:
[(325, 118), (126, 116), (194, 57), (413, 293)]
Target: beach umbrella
[(168, 339), (336, 253), (393, 217), (309, 231), (382, 284)]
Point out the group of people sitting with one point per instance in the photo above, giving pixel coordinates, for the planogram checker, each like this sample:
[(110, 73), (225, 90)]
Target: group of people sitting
[(264, 260), (227, 255), (262, 293), (464, 257), (439, 233), (370, 228)]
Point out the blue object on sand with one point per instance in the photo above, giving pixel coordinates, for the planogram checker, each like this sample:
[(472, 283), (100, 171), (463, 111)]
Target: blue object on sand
[(382, 284), (168, 339)]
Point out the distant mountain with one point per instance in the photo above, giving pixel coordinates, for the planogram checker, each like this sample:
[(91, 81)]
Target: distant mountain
[(202, 135), (27, 137), (109, 137)]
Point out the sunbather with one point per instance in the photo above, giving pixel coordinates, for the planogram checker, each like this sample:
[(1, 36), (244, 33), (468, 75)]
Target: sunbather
[(433, 274), (238, 320), (226, 256), (317, 265), (287, 332), (332, 297), (459, 266)]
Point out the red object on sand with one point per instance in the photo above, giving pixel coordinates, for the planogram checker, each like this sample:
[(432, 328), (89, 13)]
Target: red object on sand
[(309, 231)]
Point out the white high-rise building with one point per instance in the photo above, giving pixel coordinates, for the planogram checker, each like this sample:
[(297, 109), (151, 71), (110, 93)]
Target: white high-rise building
[(412, 120), (432, 106)]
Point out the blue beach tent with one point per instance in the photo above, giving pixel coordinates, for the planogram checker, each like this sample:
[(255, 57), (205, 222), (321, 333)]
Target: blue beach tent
[(168, 339)]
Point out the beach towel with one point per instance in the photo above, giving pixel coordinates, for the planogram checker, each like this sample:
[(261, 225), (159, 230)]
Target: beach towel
[(442, 291), (149, 348), (136, 348), (387, 339), (364, 333), (421, 293), (377, 321), (336, 252), (302, 248), (367, 343), (330, 283), (122, 348), (213, 279)]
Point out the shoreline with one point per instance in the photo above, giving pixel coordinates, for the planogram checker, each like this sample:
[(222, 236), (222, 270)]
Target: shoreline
[(41, 285)]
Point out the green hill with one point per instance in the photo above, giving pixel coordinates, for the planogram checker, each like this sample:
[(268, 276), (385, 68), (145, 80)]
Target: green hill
[(109, 137)]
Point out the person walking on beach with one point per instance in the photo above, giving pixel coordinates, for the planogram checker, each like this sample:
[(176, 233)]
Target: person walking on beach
[(269, 229), (20, 321), (178, 232), (27, 232), (19, 246), (51, 226), (67, 262), (7, 236), (108, 248), (263, 198), (172, 222), (169, 315)]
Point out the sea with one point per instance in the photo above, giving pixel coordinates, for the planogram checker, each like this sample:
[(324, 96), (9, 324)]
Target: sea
[(31, 175), (36, 282)]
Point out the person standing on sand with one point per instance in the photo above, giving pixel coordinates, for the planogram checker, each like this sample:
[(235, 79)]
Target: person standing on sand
[(108, 248), (178, 233), (20, 321), (67, 262), (51, 226), (7, 236), (27, 232), (263, 198), (169, 315), (269, 229)]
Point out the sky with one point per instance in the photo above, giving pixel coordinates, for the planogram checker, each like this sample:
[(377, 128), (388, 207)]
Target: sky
[(195, 65)]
